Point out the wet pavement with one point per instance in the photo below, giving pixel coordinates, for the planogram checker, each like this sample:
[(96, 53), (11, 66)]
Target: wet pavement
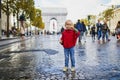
[(42, 58)]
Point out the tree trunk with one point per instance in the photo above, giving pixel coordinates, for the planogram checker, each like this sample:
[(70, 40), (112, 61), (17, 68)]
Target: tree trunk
[(7, 25), (7, 19), (17, 20)]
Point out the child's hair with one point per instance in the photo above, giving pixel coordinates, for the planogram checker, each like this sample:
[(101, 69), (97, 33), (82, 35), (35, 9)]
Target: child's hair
[(68, 21)]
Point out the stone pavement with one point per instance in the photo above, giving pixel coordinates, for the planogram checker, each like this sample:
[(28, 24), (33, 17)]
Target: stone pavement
[(94, 61), (42, 58)]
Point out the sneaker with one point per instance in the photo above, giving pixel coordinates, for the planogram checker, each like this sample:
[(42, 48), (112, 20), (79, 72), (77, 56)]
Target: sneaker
[(98, 41), (65, 69), (73, 69)]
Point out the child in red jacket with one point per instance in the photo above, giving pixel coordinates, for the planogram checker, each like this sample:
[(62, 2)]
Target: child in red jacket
[(68, 40)]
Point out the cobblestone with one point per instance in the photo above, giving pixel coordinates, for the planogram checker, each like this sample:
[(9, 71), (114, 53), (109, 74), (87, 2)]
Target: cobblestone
[(41, 60)]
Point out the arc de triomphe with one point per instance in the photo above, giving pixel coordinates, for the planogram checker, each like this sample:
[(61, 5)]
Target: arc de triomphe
[(54, 18)]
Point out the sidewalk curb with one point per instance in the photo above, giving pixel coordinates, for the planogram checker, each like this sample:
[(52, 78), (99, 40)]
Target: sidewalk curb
[(8, 39), (2, 46)]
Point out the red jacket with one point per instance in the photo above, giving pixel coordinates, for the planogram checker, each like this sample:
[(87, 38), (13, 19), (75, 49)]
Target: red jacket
[(69, 38)]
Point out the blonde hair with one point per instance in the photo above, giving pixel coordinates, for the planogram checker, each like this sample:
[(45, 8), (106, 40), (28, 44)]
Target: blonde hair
[(68, 21)]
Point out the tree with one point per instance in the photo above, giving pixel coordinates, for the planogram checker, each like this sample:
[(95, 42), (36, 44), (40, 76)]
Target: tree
[(43, 25), (26, 7), (85, 21), (7, 8), (38, 20), (108, 14)]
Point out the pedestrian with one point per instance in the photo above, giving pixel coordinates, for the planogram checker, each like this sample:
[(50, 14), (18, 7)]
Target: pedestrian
[(79, 27), (22, 33), (68, 40), (22, 28), (84, 31), (93, 32), (99, 30), (62, 29), (105, 32), (117, 30)]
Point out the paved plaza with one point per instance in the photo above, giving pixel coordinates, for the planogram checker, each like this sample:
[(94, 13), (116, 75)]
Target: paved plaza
[(42, 58)]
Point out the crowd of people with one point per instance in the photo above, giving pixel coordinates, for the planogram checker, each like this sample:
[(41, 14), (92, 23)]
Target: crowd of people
[(99, 31)]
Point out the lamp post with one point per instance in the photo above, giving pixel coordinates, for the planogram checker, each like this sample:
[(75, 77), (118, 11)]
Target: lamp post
[(0, 21)]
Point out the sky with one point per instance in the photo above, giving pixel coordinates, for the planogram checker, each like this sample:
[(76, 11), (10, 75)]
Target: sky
[(78, 9)]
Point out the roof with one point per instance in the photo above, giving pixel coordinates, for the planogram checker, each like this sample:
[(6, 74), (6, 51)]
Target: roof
[(52, 10)]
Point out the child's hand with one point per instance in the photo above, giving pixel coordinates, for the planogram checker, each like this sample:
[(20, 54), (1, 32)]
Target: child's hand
[(60, 41), (72, 27)]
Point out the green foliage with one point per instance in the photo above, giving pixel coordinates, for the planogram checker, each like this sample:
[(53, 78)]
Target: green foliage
[(7, 6), (23, 6), (38, 20), (85, 21), (108, 14)]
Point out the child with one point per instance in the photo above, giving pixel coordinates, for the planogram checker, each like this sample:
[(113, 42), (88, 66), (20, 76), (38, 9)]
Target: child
[(68, 40)]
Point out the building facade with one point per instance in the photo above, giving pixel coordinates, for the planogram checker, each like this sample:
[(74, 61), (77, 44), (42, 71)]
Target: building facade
[(115, 19), (4, 21)]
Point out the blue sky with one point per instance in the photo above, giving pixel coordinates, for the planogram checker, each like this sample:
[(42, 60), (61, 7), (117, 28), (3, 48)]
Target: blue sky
[(78, 8)]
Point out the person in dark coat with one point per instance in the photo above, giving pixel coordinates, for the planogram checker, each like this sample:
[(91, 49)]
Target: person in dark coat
[(81, 28)]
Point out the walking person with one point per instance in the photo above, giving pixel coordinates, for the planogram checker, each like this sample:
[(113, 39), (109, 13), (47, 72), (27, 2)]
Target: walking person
[(62, 29), (22, 28), (105, 32), (117, 30), (68, 40), (79, 27), (93, 32), (99, 30), (84, 31)]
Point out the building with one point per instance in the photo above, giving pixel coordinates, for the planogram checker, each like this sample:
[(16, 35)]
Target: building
[(4, 21), (54, 18), (115, 19)]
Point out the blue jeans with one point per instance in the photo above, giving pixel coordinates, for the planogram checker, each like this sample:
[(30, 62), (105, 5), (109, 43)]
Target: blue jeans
[(99, 34), (106, 34), (69, 52), (81, 35)]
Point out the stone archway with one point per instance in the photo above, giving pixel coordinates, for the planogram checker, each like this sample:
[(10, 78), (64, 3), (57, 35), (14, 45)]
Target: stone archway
[(56, 15), (53, 25)]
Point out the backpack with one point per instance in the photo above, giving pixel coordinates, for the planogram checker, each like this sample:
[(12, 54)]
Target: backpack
[(79, 27)]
